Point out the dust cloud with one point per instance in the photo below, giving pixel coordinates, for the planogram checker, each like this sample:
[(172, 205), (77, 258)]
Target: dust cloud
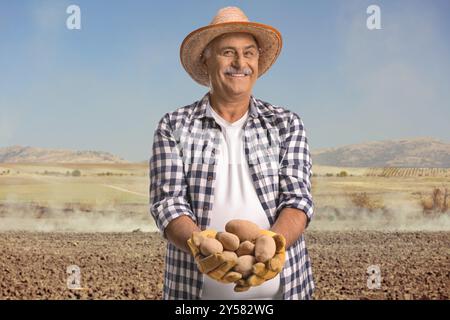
[(74, 218), (407, 217), (398, 215)]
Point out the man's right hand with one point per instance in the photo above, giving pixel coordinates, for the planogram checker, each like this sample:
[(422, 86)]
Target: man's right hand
[(217, 266)]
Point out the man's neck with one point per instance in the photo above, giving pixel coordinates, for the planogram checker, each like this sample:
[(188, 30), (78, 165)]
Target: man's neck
[(230, 109)]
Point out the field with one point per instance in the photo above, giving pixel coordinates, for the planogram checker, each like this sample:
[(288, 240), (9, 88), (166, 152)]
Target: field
[(413, 265), (48, 197), (96, 217)]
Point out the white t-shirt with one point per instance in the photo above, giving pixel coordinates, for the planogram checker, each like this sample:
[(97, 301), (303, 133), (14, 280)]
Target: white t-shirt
[(235, 198)]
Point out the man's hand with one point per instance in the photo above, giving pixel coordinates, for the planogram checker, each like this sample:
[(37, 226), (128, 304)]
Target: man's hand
[(291, 223), (261, 272), (179, 230), (218, 265)]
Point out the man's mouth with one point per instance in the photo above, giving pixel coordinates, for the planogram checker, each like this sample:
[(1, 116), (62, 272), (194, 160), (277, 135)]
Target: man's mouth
[(236, 75)]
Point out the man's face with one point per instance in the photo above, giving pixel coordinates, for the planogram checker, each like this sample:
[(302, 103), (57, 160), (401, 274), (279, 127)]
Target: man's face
[(233, 64)]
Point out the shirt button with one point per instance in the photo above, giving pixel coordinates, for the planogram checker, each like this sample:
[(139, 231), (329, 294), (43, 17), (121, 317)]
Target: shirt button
[(205, 208), (210, 178)]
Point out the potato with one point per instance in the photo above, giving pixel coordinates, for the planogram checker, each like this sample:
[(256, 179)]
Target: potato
[(244, 229), (230, 255), (244, 265), (229, 241), (210, 246), (245, 248), (264, 248)]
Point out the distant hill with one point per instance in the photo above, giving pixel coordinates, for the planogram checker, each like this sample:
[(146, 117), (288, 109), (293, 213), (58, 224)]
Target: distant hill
[(19, 154), (412, 153), (408, 153)]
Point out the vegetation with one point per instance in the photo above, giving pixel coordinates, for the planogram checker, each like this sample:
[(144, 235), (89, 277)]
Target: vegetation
[(408, 172), (437, 202), (363, 200), (76, 173), (342, 174)]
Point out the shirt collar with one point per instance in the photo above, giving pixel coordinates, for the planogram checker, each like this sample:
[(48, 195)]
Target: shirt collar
[(257, 108)]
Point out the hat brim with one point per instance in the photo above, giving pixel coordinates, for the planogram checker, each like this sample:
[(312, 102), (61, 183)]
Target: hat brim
[(268, 38)]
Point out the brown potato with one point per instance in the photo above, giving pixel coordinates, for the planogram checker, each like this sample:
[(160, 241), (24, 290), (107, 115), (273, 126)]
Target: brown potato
[(244, 229), (210, 246), (230, 255), (246, 248), (244, 265), (229, 241), (264, 248)]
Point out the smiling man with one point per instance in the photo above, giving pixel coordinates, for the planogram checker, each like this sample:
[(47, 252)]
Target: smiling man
[(232, 65), (231, 156)]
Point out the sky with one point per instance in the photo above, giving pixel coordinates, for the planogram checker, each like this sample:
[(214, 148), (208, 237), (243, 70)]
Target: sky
[(106, 86)]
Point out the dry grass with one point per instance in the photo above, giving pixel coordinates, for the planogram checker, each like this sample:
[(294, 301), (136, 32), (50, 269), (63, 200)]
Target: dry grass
[(437, 202), (362, 200)]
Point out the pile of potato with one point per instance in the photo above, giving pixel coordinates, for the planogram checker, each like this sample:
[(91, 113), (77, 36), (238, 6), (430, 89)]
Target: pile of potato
[(242, 241)]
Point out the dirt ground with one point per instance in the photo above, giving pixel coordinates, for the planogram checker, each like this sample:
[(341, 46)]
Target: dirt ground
[(413, 265)]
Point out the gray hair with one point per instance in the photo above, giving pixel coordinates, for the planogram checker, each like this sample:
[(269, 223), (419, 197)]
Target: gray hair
[(207, 52)]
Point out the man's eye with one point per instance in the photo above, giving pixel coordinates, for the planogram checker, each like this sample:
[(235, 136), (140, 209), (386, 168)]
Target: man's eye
[(249, 54), (228, 53)]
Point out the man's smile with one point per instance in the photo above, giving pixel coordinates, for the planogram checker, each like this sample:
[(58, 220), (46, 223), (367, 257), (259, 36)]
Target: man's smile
[(236, 75)]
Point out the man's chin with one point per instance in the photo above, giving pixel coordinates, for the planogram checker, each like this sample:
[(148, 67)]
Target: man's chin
[(232, 90), (237, 93), (238, 90)]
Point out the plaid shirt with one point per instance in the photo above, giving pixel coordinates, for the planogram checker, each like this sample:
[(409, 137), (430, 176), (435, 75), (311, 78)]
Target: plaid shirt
[(182, 175)]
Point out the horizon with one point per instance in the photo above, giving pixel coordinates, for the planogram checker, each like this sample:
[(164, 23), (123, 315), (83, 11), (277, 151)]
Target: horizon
[(312, 149), (106, 86)]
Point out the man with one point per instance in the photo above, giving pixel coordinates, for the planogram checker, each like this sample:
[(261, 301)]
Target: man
[(231, 156)]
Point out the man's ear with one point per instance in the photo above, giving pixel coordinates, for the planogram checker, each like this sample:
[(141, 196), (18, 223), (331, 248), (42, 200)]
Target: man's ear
[(203, 59), (204, 65)]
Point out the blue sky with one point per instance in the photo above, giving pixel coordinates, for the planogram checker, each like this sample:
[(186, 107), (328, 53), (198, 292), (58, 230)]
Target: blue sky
[(105, 87)]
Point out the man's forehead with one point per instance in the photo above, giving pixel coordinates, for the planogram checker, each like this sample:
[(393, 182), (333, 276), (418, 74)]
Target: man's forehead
[(245, 39)]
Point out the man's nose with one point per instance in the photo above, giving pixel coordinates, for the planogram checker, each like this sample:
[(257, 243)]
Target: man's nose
[(238, 61)]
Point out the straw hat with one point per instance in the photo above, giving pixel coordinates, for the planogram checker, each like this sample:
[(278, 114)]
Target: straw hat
[(227, 20)]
